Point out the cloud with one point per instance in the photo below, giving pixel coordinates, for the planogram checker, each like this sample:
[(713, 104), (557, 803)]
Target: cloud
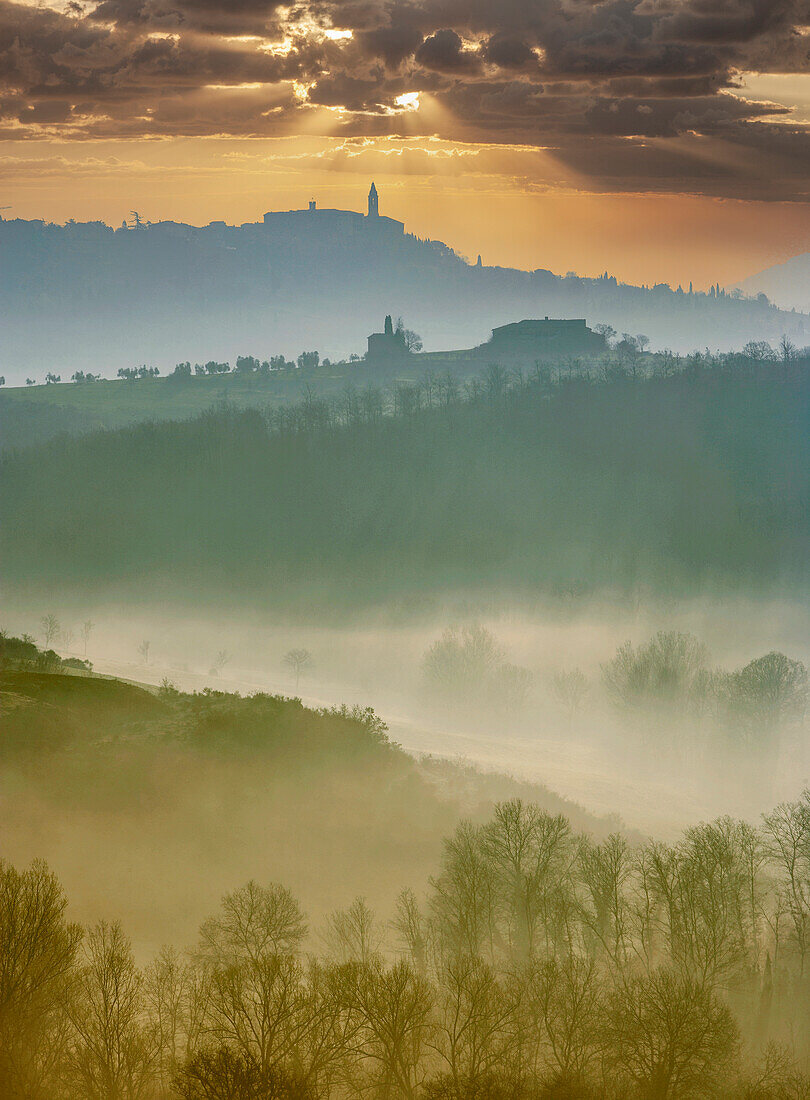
[(34, 168), (619, 86), (510, 51), (391, 44), (444, 51), (226, 17)]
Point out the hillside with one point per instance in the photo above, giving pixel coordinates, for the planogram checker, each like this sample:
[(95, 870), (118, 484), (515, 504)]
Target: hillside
[(676, 483), (171, 797), (87, 297), (37, 413), (787, 284)]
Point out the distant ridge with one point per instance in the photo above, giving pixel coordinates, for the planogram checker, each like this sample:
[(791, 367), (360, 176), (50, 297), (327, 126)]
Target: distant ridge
[(787, 285), (85, 296)]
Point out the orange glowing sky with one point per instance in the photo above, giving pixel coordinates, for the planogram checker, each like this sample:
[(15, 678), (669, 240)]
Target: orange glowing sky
[(662, 140)]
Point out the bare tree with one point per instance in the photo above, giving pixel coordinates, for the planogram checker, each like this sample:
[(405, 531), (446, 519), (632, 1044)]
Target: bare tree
[(605, 871), (143, 650), (113, 1051), (775, 1076), (665, 670), (354, 934), (767, 693), (413, 929), (466, 664), (288, 1021), (38, 950), (462, 659), (298, 661), (474, 1036), (562, 1009), (87, 627), (464, 900), (220, 1074), (257, 1006), (608, 331), (167, 990), (50, 628), (394, 1007), (707, 890), (530, 852), (254, 921), (220, 661), (412, 340), (668, 1037), (225, 1074), (787, 832)]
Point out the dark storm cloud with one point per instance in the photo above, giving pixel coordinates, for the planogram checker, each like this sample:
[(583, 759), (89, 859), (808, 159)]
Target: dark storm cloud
[(587, 79), (509, 51), (352, 93), (734, 21), (209, 16), (444, 51), (390, 44)]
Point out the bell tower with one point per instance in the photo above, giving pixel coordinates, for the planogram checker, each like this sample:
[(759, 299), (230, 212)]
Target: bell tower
[(373, 203)]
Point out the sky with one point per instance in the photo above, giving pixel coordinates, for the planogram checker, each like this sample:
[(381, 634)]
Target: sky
[(662, 140)]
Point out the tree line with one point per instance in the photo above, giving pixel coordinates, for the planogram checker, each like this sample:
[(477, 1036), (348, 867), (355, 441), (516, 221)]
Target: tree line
[(626, 352), (553, 481), (669, 674), (538, 964)]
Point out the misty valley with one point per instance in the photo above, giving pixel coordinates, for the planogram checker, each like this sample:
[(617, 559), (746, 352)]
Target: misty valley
[(438, 735), (405, 550)]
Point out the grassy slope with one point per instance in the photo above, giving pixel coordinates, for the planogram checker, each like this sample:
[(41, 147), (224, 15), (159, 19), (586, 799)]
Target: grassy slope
[(33, 414), (152, 806), (94, 713)]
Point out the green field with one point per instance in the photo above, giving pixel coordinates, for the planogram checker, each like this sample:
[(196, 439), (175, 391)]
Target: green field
[(33, 414), (113, 403)]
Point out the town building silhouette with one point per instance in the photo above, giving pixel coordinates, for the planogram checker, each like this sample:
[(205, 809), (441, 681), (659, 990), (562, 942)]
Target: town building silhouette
[(334, 224), (519, 344), (388, 346)]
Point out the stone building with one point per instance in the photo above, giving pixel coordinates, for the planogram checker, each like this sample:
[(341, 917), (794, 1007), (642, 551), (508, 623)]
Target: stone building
[(387, 347), (528, 341)]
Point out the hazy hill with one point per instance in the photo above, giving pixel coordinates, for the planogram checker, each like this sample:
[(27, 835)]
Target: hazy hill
[(787, 284), (699, 478), (170, 799), (85, 296), (37, 413)]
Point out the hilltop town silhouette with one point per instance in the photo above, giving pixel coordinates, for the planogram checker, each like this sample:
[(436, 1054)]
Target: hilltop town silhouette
[(336, 224), (88, 296)]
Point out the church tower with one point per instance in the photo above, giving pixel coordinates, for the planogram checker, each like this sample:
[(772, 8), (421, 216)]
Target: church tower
[(373, 203)]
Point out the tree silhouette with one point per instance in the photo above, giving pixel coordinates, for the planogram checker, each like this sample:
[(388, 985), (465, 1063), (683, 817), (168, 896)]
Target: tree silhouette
[(50, 628), (38, 956), (298, 661), (220, 661)]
